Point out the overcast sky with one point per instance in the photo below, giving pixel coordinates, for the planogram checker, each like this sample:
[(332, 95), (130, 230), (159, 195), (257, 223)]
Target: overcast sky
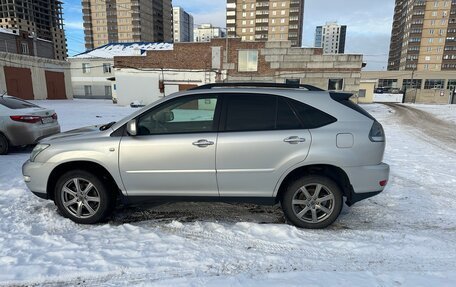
[(369, 23)]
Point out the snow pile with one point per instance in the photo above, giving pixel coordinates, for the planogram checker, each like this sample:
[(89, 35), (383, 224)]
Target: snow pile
[(404, 236)]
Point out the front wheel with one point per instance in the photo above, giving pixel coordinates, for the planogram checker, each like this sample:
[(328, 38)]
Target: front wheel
[(82, 197), (312, 202)]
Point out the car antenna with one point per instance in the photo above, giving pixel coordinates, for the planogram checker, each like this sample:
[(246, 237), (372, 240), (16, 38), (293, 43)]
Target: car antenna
[(4, 93)]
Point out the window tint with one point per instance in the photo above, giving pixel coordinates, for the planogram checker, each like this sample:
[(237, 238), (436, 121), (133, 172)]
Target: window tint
[(183, 115), (16, 104), (312, 118), (286, 118), (251, 113)]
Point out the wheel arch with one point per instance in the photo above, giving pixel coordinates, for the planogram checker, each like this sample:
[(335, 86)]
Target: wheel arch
[(89, 166), (338, 175)]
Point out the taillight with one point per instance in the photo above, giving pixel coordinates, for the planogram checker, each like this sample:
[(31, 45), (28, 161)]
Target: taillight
[(376, 133), (54, 116), (26, 119)]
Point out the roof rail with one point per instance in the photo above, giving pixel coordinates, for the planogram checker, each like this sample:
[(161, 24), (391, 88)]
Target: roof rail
[(257, 85)]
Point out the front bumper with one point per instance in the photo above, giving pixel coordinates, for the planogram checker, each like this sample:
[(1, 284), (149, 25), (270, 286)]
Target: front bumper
[(366, 181), (36, 176)]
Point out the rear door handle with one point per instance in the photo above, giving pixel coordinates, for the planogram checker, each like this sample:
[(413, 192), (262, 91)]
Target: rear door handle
[(203, 143), (294, 140)]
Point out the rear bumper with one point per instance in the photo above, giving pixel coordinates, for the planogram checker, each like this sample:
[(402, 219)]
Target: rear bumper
[(25, 134), (366, 181)]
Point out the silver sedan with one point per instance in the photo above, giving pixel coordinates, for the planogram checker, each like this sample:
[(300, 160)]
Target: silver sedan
[(23, 123)]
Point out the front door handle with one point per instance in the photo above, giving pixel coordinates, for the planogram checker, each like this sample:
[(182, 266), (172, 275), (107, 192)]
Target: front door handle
[(203, 143), (294, 140)]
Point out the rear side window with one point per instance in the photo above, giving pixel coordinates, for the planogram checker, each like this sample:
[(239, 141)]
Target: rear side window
[(259, 112), (251, 112), (311, 117), (15, 103)]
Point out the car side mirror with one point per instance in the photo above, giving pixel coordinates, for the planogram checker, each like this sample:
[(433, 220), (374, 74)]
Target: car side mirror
[(132, 128)]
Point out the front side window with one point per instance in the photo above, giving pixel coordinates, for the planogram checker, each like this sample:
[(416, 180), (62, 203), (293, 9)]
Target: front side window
[(182, 115), (248, 60)]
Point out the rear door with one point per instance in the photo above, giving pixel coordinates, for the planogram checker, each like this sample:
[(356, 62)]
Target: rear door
[(261, 137)]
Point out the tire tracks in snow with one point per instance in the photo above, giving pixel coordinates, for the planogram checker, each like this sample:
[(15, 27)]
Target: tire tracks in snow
[(435, 131)]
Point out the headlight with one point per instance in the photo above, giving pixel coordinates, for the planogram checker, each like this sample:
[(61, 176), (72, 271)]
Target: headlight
[(37, 150)]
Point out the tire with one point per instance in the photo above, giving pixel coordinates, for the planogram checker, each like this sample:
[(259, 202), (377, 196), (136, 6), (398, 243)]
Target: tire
[(4, 144), (89, 204), (302, 208)]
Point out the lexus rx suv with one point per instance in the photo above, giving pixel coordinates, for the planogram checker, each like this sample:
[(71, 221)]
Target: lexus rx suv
[(296, 145)]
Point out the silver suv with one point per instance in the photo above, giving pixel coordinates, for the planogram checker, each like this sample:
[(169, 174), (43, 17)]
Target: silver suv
[(299, 146)]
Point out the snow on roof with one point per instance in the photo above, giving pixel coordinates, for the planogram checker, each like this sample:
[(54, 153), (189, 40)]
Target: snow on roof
[(123, 49)]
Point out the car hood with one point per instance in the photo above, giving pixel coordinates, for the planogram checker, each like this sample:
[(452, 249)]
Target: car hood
[(80, 133)]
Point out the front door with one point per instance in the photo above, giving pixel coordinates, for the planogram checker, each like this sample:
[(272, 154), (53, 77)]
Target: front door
[(174, 151)]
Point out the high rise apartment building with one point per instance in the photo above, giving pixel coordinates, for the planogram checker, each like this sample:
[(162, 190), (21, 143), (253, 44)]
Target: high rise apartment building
[(37, 18), (270, 20), (122, 21), (182, 25), (331, 37), (423, 36)]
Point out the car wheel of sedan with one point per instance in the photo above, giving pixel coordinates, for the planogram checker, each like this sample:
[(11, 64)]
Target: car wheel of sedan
[(4, 145), (82, 197), (312, 202)]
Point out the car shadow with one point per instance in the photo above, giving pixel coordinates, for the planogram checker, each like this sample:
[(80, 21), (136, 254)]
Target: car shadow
[(198, 211)]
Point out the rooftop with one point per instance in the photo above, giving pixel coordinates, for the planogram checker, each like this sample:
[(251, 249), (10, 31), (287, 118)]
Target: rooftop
[(111, 50)]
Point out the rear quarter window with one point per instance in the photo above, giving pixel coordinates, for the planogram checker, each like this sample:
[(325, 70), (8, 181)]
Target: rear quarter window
[(16, 104), (311, 117)]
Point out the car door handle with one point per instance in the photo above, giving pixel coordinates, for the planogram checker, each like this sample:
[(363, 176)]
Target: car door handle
[(203, 143), (294, 140)]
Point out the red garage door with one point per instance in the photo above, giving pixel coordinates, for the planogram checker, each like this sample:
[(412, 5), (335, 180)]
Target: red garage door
[(55, 84), (19, 82)]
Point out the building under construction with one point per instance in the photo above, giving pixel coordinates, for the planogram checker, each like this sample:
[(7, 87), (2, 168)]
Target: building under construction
[(39, 18)]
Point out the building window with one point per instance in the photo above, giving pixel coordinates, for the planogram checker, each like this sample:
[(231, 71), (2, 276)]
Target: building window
[(451, 85), (108, 91), (25, 49), (362, 93), (248, 61), (387, 83), (434, 84), (85, 68), (335, 84), (107, 68), (88, 90), (411, 84)]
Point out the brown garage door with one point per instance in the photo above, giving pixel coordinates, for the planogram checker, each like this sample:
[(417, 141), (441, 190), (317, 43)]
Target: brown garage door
[(55, 84), (19, 82)]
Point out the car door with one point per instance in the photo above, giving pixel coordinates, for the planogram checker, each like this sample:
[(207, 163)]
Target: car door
[(260, 138), (173, 153)]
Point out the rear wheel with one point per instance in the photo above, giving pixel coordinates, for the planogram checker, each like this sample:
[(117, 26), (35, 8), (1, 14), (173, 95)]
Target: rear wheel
[(82, 197), (4, 145), (312, 202)]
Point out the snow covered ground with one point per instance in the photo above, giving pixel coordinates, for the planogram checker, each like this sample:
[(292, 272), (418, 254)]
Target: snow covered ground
[(405, 236)]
